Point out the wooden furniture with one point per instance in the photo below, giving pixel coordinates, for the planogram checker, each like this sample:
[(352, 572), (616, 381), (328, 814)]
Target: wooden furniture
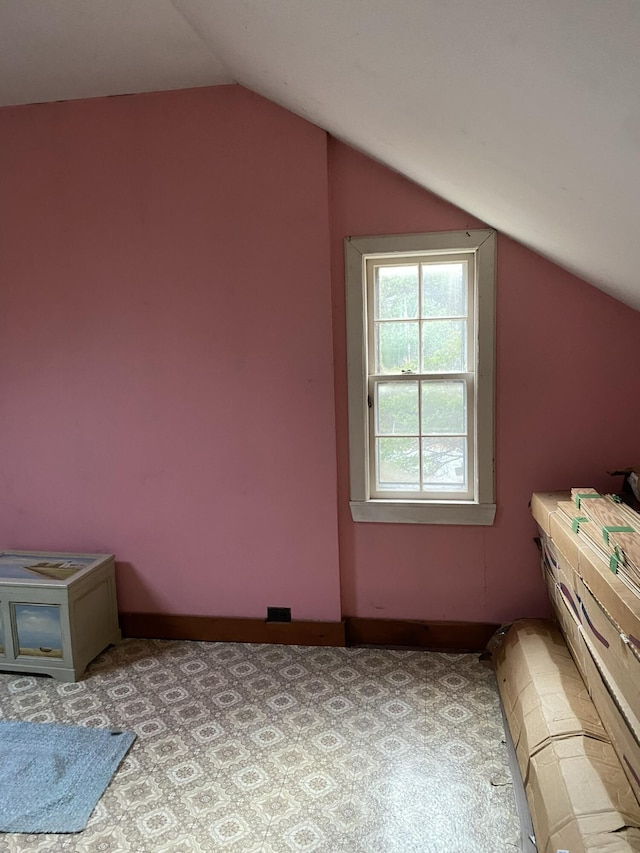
[(57, 611)]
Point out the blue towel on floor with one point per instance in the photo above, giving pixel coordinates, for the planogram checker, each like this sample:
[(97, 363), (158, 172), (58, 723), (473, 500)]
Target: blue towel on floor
[(52, 776)]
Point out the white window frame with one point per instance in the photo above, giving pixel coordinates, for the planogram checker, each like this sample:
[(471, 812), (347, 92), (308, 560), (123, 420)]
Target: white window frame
[(481, 508)]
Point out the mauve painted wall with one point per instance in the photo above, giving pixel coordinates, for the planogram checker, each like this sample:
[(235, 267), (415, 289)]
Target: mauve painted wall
[(165, 348), (168, 266), (568, 409)]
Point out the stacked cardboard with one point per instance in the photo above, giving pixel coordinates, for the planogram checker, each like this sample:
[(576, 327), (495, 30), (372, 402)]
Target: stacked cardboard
[(597, 610), (578, 796)]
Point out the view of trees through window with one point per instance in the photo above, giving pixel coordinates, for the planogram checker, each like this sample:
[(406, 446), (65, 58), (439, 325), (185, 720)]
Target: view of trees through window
[(418, 390)]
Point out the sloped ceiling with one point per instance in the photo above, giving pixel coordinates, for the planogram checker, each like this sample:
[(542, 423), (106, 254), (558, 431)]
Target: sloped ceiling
[(526, 114)]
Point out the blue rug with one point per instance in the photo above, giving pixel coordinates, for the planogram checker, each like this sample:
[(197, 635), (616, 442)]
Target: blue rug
[(52, 776)]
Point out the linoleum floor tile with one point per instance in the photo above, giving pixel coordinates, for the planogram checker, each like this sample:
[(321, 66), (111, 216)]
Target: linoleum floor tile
[(258, 749)]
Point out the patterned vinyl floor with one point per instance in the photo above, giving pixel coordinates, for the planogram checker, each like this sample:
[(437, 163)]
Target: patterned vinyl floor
[(285, 749)]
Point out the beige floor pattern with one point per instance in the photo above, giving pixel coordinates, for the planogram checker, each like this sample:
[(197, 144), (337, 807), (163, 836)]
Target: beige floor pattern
[(285, 749)]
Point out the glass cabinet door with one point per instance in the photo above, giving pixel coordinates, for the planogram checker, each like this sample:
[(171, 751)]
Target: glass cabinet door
[(38, 630)]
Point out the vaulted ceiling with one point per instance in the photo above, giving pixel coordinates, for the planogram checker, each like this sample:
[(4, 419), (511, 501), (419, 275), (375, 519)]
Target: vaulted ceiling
[(526, 114)]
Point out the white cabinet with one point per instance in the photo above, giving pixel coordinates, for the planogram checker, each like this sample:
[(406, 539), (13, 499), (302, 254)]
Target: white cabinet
[(57, 611)]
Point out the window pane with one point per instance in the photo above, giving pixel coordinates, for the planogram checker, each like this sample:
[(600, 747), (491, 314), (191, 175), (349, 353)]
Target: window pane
[(443, 408), (39, 630), (444, 346), (396, 347), (444, 463), (444, 290), (398, 464), (396, 293), (397, 408)]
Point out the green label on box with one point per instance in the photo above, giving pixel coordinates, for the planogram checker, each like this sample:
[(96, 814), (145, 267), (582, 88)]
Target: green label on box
[(579, 497), (607, 530)]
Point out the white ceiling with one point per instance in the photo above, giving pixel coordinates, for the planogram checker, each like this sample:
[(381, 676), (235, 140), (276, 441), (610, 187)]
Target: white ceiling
[(526, 114)]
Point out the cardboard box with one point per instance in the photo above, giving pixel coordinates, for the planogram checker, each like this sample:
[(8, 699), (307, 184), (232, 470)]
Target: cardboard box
[(617, 715), (618, 719), (543, 695), (611, 646), (577, 801), (562, 572), (579, 797), (607, 611), (568, 543), (568, 618), (600, 620), (543, 504), (622, 605), (544, 507)]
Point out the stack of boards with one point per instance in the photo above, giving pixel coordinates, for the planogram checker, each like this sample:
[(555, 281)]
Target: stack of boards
[(611, 528), (572, 696)]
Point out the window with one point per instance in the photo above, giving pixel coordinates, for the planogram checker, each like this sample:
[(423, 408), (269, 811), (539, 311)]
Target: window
[(420, 328)]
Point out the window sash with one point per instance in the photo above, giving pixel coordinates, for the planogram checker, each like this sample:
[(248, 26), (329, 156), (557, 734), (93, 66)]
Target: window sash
[(461, 494), (420, 260)]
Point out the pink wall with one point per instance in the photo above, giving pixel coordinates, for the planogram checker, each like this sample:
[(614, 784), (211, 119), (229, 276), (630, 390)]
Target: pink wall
[(568, 409), (165, 348), (172, 278)]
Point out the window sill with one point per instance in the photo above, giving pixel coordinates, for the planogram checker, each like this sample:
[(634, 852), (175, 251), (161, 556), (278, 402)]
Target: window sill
[(423, 512)]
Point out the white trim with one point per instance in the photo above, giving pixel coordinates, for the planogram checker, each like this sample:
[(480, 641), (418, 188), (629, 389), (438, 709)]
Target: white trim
[(363, 507), (357, 371), (486, 366), (423, 512)]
